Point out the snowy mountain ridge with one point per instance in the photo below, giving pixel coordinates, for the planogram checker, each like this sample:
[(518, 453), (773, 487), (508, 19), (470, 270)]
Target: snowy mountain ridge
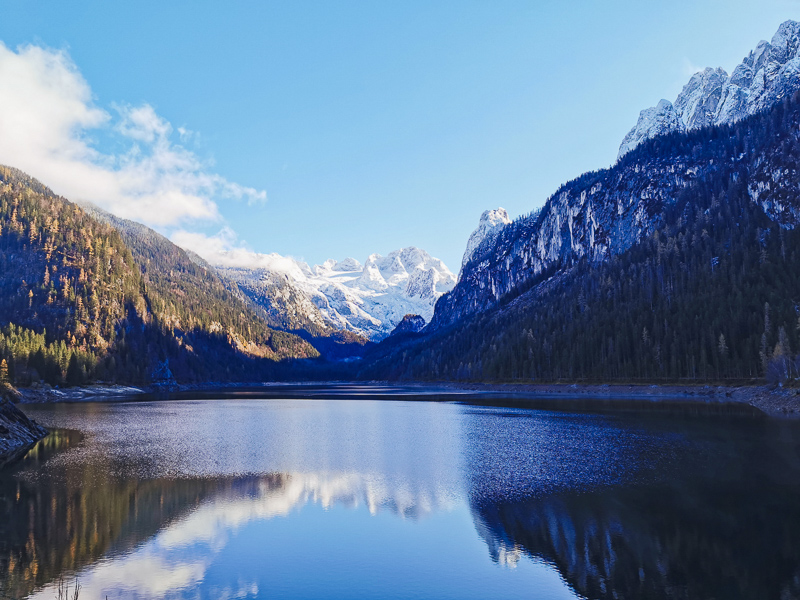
[(369, 299), (711, 97), (489, 226), (605, 213)]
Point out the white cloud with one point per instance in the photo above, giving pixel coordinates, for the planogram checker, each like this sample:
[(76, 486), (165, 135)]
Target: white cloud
[(209, 247), (223, 249), (47, 116), (142, 123)]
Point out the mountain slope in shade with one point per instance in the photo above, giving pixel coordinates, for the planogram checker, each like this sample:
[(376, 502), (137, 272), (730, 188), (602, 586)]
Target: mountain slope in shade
[(604, 213), (768, 74), (681, 262), (369, 299), (409, 324)]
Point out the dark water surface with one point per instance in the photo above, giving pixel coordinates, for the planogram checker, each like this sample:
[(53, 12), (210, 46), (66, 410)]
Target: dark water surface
[(344, 498)]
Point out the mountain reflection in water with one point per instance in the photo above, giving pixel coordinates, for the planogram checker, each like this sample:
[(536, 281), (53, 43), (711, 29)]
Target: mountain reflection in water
[(724, 524), (576, 504)]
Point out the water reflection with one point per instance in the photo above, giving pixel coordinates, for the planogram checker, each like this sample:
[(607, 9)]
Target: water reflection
[(726, 524), (654, 543), (398, 501), (48, 530), (179, 556)]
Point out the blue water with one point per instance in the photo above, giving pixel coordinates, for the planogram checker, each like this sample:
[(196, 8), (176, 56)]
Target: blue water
[(399, 499)]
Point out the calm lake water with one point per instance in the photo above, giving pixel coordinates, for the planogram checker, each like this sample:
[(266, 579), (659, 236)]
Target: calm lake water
[(217, 499)]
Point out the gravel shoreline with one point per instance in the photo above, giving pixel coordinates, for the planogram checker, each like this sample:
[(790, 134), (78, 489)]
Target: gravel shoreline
[(772, 401)]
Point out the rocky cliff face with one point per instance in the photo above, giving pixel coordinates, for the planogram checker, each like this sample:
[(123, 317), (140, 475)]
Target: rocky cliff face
[(17, 432), (605, 213), (489, 226), (768, 74)]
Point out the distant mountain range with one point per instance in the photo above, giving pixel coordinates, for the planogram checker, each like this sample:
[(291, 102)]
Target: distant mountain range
[(369, 299)]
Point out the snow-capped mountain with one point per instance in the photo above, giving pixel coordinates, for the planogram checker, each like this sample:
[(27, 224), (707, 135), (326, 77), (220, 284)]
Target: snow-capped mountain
[(490, 224), (712, 97), (369, 299)]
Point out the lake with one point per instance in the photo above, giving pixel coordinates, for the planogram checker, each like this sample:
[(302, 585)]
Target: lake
[(354, 498)]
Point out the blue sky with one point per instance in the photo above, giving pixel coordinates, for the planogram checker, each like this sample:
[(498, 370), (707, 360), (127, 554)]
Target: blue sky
[(367, 125)]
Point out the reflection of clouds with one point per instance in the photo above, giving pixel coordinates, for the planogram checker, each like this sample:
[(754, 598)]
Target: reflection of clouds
[(243, 590), (146, 573), (177, 559)]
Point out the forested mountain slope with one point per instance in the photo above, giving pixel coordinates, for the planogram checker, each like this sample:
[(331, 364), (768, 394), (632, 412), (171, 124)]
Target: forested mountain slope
[(604, 213), (682, 261), (77, 303)]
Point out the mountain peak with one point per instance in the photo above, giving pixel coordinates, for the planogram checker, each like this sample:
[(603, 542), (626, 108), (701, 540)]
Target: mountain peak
[(712, 97), (490, 224), (786, 41), (653, 121), (409, 324), (368, 299)]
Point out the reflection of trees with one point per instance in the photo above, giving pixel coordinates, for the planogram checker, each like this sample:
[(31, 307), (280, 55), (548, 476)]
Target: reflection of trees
[(655, 543), (66, 520), (729, 527), (58, 525)]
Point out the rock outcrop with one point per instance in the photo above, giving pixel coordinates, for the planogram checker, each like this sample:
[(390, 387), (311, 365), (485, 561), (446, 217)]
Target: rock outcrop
[(490, 224), (409, 324), (17, 432)]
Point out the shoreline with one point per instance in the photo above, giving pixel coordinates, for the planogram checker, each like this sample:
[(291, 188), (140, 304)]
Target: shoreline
[(755, 399), (18, 433)]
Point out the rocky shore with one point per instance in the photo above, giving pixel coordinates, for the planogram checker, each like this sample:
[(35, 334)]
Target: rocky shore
[(45, 393), (774, 401), (17, 432)]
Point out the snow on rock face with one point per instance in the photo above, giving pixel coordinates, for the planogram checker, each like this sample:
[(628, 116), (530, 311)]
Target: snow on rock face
[(370, 299), (653, 121), (711, 97), (604, 213), (698, 101), (347, 265), (492, 221)]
